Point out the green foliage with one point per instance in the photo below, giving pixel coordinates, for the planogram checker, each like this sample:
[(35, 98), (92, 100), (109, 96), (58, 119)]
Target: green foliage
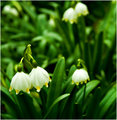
[(56, 46), (56, 84)]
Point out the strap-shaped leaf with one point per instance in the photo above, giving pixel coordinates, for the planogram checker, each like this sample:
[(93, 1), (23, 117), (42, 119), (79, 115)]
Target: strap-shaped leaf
[(89, 87), (68, 87), (55, 102), (7, 116), (27, 106), (56, 84), (9, 70), (7, 98), (29, 10), (98, 53), (107, 101)]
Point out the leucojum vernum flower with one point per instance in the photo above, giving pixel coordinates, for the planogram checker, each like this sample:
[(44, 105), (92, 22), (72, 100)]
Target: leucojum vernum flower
[(9, 10), (20, 81), (81, 9), (80, 75), (72, 14), (37, 78)]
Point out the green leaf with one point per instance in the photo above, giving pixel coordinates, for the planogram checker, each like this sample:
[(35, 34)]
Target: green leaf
[(53, 4), (62, 29), (93, 102), (49, 12), (7, 116), (87, 57), (80, 34), (9, 101), (107, 101), (109, 27), (81, 29), (55, 102), (56, 84), (6, 92), (68, 87), (37, 38), (17, 5), (54, 35), (98, 53), (41, 24), (5, 82), (19, 36), (27, 105), (89, 87), (9, 70), (71, 71), (68, 82), (29, 10)]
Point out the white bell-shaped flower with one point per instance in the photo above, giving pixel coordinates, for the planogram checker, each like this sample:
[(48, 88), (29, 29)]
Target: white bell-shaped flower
[(9, 10), (80, 76), (70, 15), (81, 9), (39, 78), (6, 8), (20, 81), (14, 12)]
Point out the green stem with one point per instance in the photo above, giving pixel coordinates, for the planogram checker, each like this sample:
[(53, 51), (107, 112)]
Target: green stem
[(61, 30), (76, 36), (81, 33), (83, 100), (21, 60)]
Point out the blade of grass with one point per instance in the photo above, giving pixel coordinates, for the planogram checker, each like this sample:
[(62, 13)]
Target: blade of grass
[(87, 57), (7, 116), (6, 97), (55, 102), (56, 84), (90, 86), (98, 53), (106, 102), (27, 106)]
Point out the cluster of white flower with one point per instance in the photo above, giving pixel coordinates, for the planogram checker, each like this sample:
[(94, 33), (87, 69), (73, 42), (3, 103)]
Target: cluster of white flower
[(37, 78), (72, 14), (80, 76), (9, 10)]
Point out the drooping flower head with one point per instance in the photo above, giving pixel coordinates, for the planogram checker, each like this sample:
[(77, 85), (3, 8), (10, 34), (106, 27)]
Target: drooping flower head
[(80, 75), (9, 10), (81, 9), (70, 15), (20, 81), (39, 77)]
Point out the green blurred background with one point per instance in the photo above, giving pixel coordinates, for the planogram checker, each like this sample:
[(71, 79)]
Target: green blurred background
[(40, 24)]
